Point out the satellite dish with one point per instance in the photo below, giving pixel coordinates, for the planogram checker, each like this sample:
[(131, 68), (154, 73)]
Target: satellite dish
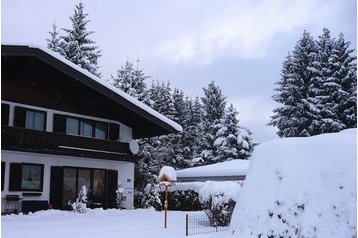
[(134, 147)]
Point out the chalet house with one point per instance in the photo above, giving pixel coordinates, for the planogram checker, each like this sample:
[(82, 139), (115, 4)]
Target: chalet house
[(62, 127)]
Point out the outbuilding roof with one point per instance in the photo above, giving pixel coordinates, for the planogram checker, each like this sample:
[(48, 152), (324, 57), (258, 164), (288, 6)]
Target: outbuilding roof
[(229, 170)]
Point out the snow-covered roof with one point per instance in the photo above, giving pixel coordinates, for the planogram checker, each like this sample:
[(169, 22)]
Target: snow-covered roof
[(233, 168), (167, 173), (300, 187), (122, 94)]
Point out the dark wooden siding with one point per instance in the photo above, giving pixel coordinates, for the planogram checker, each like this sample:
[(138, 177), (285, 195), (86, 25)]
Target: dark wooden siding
[(29, 80)]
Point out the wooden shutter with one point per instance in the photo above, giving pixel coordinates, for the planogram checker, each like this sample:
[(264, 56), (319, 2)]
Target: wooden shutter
[(59, 123), (15, 177), (113, 131), (5, 111), (56, 187), (20, 117), (112, 183)]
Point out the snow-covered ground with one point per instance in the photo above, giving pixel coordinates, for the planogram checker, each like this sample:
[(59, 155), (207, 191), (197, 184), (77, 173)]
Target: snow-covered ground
[(300, 187), (97, 223)]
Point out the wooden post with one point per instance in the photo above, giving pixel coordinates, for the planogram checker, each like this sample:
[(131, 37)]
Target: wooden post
[(166, 207), (186, 225)]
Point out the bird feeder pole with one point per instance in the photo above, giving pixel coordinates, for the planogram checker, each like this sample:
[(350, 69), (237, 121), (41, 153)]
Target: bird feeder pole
[(166, 207), (167, 177)]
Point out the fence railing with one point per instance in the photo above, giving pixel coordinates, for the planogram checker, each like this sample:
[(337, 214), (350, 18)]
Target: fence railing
[(200, 224)]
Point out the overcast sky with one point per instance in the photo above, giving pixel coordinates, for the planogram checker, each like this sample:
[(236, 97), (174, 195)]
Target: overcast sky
[(238, 44)]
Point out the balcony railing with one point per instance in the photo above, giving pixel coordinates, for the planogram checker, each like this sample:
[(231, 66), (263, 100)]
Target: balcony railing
[(15, 138)]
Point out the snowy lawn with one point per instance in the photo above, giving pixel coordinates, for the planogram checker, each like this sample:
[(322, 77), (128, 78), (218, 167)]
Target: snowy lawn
[(109, 223)]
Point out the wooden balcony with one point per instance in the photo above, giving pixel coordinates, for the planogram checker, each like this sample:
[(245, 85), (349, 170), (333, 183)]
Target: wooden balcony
[(21, 139)]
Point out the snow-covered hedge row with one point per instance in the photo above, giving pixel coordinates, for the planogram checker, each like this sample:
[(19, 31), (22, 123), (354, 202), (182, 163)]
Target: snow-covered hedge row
[(219, 199), (216, 198)]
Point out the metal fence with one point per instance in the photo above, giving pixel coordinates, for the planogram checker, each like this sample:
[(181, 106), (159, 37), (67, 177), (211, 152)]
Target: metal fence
[(200, 224)]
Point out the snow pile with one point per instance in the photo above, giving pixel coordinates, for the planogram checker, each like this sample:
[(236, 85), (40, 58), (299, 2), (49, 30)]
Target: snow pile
[(227, 190), (300, 187)]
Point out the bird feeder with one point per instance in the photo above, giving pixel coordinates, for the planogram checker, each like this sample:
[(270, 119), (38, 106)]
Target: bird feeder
[(167, 178)]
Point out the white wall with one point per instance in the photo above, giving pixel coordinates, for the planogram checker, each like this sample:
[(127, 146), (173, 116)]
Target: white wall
[(125, 171)]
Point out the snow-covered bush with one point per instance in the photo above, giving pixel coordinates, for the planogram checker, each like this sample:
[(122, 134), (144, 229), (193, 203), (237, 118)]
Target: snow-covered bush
[(152, 197), (218, 200), (184, 200), (120, 198), (80, 205), (219, 212)]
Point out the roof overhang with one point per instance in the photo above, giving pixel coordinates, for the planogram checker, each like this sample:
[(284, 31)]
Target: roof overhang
[(86, 78)]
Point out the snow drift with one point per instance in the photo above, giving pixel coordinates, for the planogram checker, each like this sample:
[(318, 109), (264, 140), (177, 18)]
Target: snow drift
[(300, 187)]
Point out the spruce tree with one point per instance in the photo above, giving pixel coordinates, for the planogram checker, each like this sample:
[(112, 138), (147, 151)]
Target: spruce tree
[(162, 99), (345, 74), (232, 142), (323, 88), (131, 81), (214, 108), (77, 46), (196, 128), (317, 88), (294, 117), (53, 43)]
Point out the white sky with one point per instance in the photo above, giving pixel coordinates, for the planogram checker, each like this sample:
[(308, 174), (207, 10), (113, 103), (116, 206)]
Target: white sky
[(239, 44)]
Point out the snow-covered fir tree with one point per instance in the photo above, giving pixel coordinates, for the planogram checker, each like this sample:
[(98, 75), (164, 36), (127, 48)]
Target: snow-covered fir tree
[(131, 80), (294, 117), (232, 141), (214, 104), (76, 45), (345, 74), (192, 135), (317, 88), (80, 205), (323, 88), (53, 43), (160, 96)]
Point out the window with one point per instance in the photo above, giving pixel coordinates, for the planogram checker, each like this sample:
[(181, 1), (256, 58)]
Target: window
[(75, 178), (30, 119), (101, 130), (31, 178), (84, 127), (26, 177), (69, 184), (35, 120), (71, 126), (84, 178), (98, 183)]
